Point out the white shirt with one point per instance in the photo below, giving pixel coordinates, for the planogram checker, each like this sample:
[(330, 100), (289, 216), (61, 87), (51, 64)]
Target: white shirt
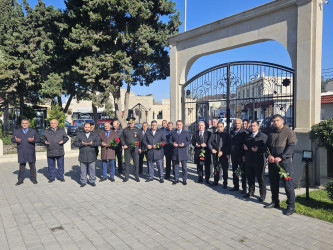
[(154, 131), (254, 134), (87, 135), (179, 131)]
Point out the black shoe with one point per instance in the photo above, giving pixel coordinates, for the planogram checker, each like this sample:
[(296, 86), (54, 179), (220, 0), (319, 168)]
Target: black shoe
[(82, 185), (289, 211), (200, 180), (248, 195), (103, 179), (175, 182), (272, 205), (207, 182), (167, 177), (243, 191), (184, 183), (19, 183), (225, 186), (161, 181), (62, 180), (50, 181), (261, 199), (234, 189), (137, 179), (214, 184), (93, 184), (34, 182), (149, 180), (125, 180), (112, 180)]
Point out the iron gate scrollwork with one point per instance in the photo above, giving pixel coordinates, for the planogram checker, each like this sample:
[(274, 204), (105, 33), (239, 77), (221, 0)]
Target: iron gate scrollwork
[(245, 89)]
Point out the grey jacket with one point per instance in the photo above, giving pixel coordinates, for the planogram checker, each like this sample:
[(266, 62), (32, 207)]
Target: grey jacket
[(87, 153), (54, 149)]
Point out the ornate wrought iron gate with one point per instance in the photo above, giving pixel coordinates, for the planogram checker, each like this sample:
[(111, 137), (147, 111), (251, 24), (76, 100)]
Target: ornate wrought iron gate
[(246, 89)]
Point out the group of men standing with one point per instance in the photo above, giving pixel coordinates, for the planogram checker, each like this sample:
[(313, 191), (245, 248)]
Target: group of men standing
[(245, 146)]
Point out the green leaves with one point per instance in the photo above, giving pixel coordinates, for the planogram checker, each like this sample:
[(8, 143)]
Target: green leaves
[(322, 133)]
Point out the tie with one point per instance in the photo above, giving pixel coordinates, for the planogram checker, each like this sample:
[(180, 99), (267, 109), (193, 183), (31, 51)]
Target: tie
[(107, 134), (178, 132), (25, 131)]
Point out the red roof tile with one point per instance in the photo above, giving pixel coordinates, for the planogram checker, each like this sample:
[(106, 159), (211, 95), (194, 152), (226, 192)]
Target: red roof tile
[(327, 99)]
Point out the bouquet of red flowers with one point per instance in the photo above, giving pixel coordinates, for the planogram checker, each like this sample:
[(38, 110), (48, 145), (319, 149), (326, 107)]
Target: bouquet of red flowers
[(160, 144), (114, 142), (134, 144)]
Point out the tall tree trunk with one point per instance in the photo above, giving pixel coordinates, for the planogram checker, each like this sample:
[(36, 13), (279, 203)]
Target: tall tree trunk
[(118, 107), (68, 103), (21, 96), (59, 101), (94, 108)]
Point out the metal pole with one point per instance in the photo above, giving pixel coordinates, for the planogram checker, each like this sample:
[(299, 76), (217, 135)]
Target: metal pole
[(228, 98), (307, 184), (185, 15)]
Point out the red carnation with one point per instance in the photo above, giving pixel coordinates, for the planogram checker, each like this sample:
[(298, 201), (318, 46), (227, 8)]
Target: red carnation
[(137, 143), (163, 143), (117, 139), (288, 178), (202, 159)]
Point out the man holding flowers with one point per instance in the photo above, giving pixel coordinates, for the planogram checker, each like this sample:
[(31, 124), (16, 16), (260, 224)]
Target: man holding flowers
[(201, 151), (281, 144), (109, 143), (154, 140)]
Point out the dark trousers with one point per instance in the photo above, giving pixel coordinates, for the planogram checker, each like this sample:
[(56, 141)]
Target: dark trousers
[(168, 161), (141, 156), (119, 155), (200, 170), (253, 171), (238, 162), (274, 179), (32, 166), (131, 153), (51, 161), (224, 164), (184, 169)]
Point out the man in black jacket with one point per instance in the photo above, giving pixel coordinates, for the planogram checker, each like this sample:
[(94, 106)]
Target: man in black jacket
[(201, 151), (219, 145), (237, 139), (119, 150), (87, 141), (143, 153), (168, 150), (55, 138), (281, 143), (255, 160)]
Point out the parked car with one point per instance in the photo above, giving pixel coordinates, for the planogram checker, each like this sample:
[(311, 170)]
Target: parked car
[(72, 130), (80, 123)]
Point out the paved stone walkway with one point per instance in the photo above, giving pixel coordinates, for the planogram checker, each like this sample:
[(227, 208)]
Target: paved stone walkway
[(143, 215)]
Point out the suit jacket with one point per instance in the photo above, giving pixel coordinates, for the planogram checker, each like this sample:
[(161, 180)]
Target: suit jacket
[(197, 150), (213, 143), (54, 149), (107, 153), (87, 153), (259, 141), (237, 141), (26, 150), (180, 153), (142, 145), (168, 147), (150, 139)]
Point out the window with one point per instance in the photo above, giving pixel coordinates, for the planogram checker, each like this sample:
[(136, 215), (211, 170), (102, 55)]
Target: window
[(160, 115)]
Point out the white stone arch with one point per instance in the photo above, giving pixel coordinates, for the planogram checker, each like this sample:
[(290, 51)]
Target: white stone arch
[(296, 24)]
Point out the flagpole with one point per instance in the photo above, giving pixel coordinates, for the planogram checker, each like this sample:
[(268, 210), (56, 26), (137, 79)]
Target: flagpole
[(185, 15)]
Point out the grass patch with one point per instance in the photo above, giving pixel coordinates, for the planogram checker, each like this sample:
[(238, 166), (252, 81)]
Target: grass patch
[(319, 206)]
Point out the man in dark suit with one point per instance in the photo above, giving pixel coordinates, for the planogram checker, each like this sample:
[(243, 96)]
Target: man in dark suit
[(237, 140), (180, 139), (201, 151), (118, 150), (168, 151), (255, 160), (154, 140), (87, 141), (26, 138), (143, 153), (219, 144)]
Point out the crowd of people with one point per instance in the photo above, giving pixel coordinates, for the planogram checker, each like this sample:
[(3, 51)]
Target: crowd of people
[(245, 146)]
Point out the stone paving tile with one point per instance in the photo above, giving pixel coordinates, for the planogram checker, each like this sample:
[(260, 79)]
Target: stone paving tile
[(144, 216)]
